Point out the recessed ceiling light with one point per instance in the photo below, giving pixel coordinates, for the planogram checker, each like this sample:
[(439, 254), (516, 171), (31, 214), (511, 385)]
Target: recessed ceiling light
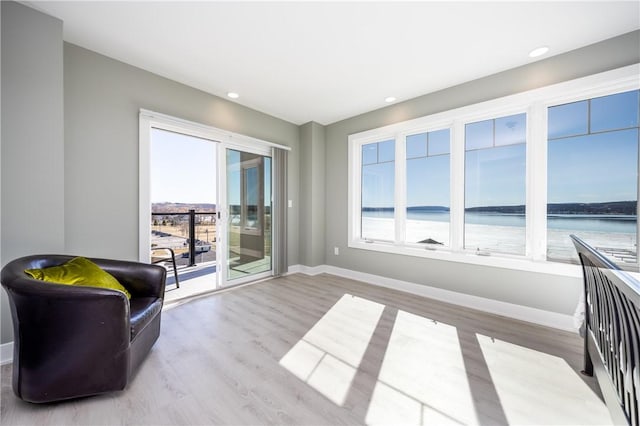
[(389, 99), (538, 51), (233, 95)]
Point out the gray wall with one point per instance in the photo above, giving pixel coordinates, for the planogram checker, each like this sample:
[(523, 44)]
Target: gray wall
[(70, 143), (32, 138), (312, 194), (102, 101), (548, 292)]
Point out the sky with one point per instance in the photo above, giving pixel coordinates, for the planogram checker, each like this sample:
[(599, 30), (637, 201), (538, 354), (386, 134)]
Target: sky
[(594, 168), (588, 159), (183, 168), (592, 157)]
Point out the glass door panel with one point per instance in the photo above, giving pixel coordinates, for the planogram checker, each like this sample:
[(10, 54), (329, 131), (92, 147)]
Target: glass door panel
[(184, 206), (248, 250)]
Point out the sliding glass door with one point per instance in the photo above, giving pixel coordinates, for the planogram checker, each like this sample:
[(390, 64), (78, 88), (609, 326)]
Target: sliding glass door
[(206, 200), (248, 205)]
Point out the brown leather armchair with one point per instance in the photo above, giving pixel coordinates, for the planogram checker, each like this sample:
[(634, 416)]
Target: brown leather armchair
[(72, 341)]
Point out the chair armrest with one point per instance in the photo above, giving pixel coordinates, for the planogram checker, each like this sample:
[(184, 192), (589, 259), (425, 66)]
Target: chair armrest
[(141, 279), (171, 255)]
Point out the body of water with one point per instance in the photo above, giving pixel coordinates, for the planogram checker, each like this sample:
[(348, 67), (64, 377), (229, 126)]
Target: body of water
[(592, 223)]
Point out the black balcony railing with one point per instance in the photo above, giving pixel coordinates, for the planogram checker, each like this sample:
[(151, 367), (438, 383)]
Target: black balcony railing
[(183, 226)]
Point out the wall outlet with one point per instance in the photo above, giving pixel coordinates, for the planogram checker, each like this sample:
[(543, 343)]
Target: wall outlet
[(336, 251), (290, 203)]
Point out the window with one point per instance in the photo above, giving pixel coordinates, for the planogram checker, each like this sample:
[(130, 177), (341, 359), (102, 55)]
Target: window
[(378, 182), (428, 195), (504, 183), (592, 174), (495, 188)]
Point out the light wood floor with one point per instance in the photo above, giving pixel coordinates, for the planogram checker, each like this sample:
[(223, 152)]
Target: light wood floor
[(325, 350)]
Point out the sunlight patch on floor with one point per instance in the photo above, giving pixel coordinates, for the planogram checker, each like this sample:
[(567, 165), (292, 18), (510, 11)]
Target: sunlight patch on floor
[(422, 379), (191, 287), (329, 354), (525, 378)]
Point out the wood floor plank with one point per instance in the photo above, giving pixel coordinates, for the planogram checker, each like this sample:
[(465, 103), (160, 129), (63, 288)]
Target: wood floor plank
[(325, 350)]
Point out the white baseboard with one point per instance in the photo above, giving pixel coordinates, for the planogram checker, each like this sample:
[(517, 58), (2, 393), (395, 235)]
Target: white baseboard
[(510, 310), (307, 270), (6, 353)]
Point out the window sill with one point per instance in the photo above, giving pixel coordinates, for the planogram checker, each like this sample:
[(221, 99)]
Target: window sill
[(495, 260)]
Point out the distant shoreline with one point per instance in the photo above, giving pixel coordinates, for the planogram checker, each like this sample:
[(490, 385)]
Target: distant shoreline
[(627, 208), (169, 207)]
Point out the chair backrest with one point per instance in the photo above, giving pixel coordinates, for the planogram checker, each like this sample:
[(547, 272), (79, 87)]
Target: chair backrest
[(16, 281), (612, 299)]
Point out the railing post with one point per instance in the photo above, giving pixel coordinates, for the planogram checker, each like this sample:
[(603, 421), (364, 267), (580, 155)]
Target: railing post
[(192, 238)]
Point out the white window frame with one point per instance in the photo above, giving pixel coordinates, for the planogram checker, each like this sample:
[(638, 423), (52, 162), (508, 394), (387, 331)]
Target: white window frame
[(535, 104)]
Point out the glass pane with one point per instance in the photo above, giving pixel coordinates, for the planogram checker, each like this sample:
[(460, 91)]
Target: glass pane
[(386, 151), (378, 187), (370, 153), (267, 186), (251, 186), (183, 177), (249, 206), (568, 120), (479, 135), (417, 145), (592, 192), (428, 200), (511, 130), (266, 216), (614, 112), (439, 142), (495, 195)]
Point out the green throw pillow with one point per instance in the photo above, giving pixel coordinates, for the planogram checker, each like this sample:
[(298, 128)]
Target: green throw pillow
[(78, 271)]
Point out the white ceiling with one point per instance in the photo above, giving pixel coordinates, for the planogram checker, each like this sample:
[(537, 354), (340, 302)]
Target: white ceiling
[(323, 61)]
